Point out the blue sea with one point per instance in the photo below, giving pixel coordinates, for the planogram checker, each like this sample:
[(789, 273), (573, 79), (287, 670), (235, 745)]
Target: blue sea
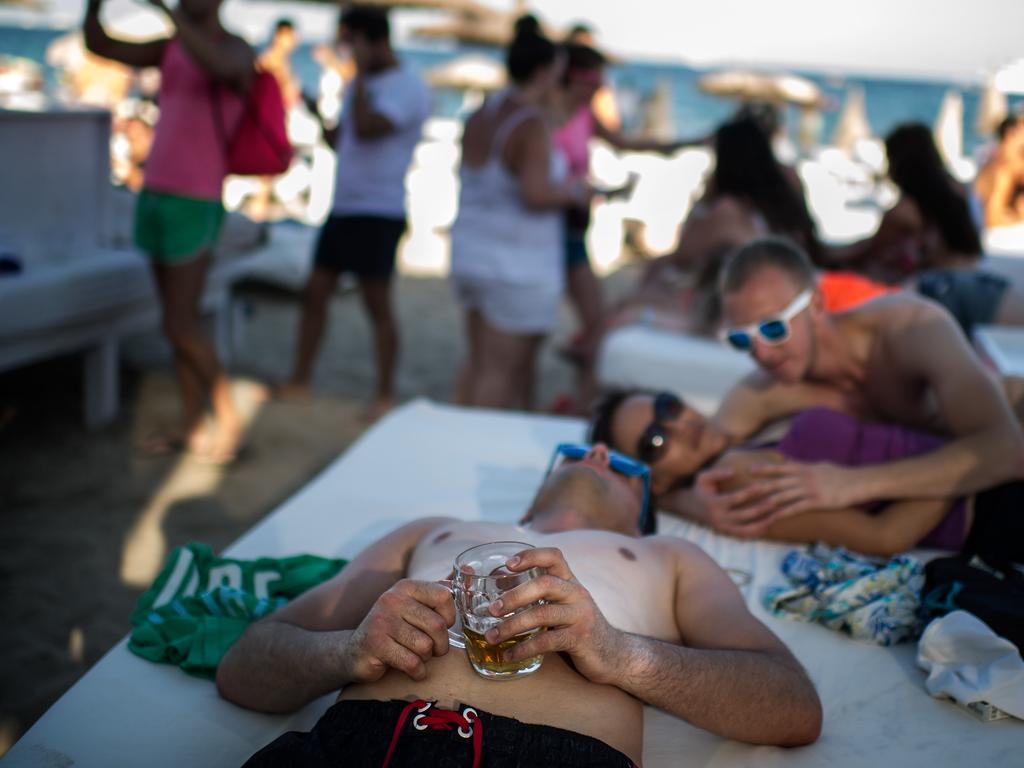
[(888, 102)]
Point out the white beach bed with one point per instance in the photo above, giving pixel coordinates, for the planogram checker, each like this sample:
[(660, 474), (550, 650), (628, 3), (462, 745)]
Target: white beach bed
[(427, 459)]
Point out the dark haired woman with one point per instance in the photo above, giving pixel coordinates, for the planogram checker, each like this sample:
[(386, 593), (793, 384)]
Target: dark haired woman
[(748, 194), (930, 237), (508, 239)]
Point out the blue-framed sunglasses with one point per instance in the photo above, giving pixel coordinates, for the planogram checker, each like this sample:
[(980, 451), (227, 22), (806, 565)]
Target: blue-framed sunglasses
[(774, 330), (623, 465)]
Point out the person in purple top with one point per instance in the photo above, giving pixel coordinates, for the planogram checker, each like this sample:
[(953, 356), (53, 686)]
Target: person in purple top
[(679, 442)]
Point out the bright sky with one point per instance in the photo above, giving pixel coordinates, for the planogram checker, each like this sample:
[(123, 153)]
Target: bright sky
[(959, 39), (962, 38)]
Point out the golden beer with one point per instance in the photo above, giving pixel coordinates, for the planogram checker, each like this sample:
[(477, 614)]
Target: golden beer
[(489, 660)]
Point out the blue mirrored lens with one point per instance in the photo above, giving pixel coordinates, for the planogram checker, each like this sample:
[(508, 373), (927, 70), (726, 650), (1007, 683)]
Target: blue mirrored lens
[(739, 339), (773, 330)]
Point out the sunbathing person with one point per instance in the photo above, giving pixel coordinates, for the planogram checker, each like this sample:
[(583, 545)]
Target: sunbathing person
[(929, 240), (1000, 183), (629, 621), (897, 359), (749, 194), (677, 441)]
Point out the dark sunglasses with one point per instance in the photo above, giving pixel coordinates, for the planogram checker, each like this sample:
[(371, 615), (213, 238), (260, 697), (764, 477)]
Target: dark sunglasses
[(653, 441)]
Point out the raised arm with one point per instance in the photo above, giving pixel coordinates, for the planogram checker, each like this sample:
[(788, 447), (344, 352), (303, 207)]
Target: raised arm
[(622, 142), (229, 60), (351, 628), (731, 676), (97, 41)]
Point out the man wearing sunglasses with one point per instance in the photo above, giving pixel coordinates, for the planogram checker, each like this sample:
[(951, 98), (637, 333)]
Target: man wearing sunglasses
[(898, 359), (629, 621)]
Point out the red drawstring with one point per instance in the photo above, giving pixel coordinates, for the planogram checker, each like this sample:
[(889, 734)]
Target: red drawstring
[(439, 720)]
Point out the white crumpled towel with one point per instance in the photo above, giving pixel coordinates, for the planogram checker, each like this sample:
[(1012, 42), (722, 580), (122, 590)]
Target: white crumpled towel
[(968, 662)]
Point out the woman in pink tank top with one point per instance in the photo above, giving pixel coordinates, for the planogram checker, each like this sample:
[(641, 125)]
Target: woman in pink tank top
[(579, 122), (205, 73)]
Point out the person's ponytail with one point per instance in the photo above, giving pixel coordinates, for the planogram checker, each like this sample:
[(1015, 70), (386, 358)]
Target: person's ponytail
[(529, 51)]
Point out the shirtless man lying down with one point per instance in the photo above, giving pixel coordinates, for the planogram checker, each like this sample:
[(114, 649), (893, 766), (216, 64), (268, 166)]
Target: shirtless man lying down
[(630, 621)]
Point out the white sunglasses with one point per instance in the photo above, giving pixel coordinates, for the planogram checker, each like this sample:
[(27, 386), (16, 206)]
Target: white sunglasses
[(774, 330)]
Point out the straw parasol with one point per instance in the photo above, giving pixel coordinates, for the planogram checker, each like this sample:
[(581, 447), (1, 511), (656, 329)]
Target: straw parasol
[(992, 109), (471, 72), (852, 125), (759, 86), (949, 127), (490, 32), (1010, 79)]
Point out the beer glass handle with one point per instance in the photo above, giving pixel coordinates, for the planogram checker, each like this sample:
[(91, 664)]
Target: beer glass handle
[(455, 638)]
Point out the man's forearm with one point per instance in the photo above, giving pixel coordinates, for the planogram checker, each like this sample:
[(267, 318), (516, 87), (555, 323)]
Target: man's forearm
[(279, 667), (759, 697), (963, 466), (93, 33)]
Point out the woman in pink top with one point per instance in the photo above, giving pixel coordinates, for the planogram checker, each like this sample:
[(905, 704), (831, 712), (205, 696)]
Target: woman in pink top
[(583, 78), (204, 74)]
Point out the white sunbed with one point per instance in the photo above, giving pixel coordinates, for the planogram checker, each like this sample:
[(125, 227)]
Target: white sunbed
[(699, 369), (427, 459), (83, 287)]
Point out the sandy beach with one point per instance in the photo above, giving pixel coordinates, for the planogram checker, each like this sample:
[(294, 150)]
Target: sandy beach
[(86, 521)]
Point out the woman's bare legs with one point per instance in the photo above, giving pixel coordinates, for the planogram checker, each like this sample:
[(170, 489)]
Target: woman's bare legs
[(190, 433), (200, 374), (505, 361), (465, 381)]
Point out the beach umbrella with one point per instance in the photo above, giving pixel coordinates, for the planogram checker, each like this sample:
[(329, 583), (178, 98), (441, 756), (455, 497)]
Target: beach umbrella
[(992, 109), (949, 127), (471, 72), (852, 125), (490, 32), (759, 86), (1010, 79)]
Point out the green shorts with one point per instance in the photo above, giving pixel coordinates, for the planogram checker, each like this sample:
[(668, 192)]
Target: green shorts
[(173, 229)]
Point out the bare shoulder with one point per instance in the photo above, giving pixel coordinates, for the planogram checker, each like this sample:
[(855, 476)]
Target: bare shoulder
[(695, 570), (729, 208), (890, 314), (906, 214)]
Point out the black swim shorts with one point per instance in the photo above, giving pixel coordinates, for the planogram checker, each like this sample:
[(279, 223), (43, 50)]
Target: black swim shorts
[(399, 733), (360, 245), (998, 527)]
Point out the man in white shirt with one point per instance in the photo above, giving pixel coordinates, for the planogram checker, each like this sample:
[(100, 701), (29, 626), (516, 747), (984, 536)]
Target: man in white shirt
[(383, 114)]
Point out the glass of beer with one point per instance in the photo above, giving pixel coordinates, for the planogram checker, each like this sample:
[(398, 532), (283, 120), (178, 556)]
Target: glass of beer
[(480, 577)]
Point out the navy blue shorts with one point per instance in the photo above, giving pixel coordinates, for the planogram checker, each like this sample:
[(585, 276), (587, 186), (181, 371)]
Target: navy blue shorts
[(357, 733), (972, 296), (360, 245), (575, 250)]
